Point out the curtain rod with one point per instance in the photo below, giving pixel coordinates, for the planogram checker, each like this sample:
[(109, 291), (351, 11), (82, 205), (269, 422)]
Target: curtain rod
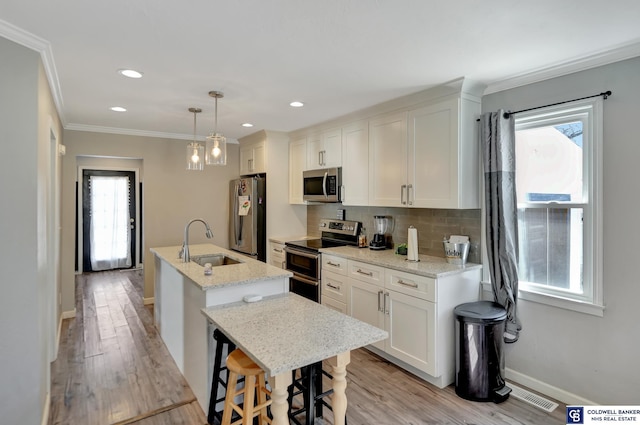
[(605, 95)]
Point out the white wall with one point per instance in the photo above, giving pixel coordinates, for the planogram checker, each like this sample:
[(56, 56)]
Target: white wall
[(27, 116), (592, 357), (171, 195)]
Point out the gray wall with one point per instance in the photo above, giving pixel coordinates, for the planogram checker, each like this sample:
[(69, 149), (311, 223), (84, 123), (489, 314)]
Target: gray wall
[(27, 116), (593, 357)]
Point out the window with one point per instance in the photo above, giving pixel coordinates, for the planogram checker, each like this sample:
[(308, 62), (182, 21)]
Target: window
[(558, 184)]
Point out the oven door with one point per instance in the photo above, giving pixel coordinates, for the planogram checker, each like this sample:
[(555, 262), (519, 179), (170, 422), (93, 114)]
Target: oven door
[(306, 264), (304, 287)]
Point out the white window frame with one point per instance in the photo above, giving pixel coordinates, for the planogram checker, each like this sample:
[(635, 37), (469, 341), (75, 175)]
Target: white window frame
[(591, 301)]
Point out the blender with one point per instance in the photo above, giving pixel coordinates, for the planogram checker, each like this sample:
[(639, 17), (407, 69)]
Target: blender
[(380, 224)]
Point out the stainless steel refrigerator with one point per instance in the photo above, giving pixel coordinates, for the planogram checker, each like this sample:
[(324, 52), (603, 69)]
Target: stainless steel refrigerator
[(247, 216)]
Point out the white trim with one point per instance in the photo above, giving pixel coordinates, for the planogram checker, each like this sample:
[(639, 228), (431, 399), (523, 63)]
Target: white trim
[(132, 132), (42, 46), (603, 57), (148, 301), (549, 390), (68, 314), (46, 407), (554, 301)]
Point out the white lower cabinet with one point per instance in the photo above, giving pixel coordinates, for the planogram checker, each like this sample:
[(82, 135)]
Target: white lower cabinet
[(334, 290), (276, 254), (417, 311), (410, 322)]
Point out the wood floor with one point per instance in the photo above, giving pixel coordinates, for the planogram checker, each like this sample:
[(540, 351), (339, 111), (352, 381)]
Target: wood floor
[(113, 368)]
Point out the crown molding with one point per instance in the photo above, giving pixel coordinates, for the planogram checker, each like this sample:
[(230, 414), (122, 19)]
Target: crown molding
[(42, 46), (603, 57), (141, 133)]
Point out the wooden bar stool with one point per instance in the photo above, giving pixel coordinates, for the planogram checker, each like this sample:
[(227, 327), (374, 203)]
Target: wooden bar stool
[(238, 363)]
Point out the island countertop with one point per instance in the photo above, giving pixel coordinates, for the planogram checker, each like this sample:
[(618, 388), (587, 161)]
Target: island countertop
[(249, 270), (429, 266), (285, 332)]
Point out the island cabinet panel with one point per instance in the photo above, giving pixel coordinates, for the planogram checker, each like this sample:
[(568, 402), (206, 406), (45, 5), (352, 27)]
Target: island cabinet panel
[(183, 290)]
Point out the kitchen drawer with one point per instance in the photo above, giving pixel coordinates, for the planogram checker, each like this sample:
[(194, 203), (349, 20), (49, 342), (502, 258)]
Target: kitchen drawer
[(334, 264), (366, 273), (333, 304), (411, 284), (334, 286)]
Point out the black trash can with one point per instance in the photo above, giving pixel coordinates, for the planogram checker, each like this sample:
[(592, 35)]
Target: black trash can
[(479, 351)]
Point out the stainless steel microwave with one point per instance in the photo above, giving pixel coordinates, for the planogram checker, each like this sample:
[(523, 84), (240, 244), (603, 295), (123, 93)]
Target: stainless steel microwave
[(322, 185)]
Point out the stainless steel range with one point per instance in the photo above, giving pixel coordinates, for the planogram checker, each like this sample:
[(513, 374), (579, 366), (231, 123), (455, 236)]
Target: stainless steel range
[(303, 258)]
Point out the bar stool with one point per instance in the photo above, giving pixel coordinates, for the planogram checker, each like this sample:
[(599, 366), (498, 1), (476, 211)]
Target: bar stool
[(309, 384), (238, 363), (223, 344)]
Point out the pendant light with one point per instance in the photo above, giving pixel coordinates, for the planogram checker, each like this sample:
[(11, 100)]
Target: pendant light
[(195, 150), (216, 143)]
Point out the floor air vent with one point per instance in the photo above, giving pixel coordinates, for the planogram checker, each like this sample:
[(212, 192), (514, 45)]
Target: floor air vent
[(531, 398)]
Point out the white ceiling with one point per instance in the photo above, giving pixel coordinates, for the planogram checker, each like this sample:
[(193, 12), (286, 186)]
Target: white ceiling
[(337, 56)]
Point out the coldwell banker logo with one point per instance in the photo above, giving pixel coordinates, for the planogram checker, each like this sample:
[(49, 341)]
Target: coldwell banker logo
[(575, 415)]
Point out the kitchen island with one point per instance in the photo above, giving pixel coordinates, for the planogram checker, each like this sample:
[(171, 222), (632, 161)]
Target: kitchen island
[(285, 332), (182, 290)]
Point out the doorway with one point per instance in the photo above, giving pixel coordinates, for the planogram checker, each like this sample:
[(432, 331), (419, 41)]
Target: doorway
[(108, 220)]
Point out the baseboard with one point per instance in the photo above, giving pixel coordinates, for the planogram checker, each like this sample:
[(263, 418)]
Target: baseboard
[(45, 410), (147, 301), (549, 390), (68, 314)]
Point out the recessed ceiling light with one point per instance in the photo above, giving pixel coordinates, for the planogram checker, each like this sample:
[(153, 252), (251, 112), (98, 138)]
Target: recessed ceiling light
[(131, 73), (296, 104), (118, 109), (247, 124)]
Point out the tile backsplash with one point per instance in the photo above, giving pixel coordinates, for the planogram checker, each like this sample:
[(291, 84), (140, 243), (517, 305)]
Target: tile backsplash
[(432, 224)]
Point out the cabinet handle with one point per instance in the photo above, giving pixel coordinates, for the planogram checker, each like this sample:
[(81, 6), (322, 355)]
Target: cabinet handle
[(277, 250), (323, 153), (251, 164), (402, 188), (284, 264), (410, 194), (337, 288), (380, 303), (319, 157), (409, 284), (386, 308), (329, 263), (370, 274)]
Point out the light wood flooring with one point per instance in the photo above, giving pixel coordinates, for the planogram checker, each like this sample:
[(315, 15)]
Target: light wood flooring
[(112, 368)]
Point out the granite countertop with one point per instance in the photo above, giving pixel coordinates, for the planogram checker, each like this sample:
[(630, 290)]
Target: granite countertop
[(428, 266), (285, 332), (285, 239), (248, 271)]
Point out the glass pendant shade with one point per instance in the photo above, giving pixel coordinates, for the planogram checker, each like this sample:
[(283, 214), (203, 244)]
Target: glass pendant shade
[(216, 149), (195, 156), (216, 153), (195, 151)]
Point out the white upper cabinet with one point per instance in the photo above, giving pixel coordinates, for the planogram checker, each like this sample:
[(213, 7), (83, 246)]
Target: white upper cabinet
[(355, 168), (252, 158), (426, 157), (297, 158), (324, 150), (443, 155), (388, 160)]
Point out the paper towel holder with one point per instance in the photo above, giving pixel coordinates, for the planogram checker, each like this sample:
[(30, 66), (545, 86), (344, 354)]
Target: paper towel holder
[(410, 246)]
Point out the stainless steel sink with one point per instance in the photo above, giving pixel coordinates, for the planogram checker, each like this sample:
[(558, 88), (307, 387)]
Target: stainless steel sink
[(215, 260)]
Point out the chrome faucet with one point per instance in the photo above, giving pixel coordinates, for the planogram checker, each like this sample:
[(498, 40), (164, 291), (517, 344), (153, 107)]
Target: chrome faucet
[(184, 252)]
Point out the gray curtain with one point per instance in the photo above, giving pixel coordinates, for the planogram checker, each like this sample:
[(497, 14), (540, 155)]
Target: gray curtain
[(497, 138)]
